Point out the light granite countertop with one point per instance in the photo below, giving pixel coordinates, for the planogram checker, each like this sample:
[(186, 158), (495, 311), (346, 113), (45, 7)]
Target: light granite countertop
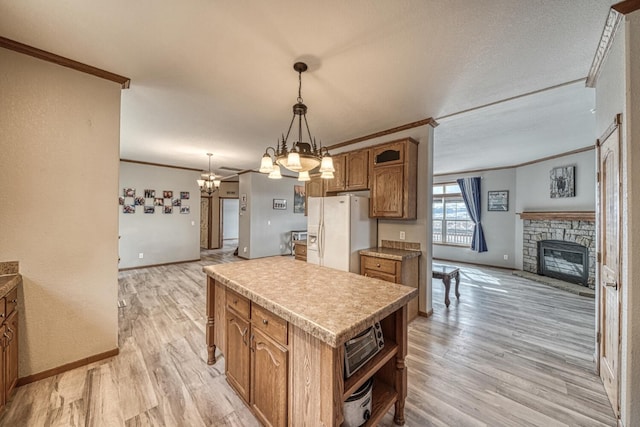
[(329, 304), (390, 253)]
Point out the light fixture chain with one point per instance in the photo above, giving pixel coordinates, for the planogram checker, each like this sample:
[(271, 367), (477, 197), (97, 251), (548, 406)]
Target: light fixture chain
[(300, 86)]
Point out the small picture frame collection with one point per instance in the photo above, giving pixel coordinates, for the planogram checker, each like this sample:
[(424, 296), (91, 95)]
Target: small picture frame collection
[(129, 201)]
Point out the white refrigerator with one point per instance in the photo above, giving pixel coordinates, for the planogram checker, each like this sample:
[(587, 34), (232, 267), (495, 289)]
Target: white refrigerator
[(337, 228)]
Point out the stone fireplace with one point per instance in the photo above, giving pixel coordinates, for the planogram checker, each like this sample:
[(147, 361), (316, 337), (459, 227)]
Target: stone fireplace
[(568, 242)]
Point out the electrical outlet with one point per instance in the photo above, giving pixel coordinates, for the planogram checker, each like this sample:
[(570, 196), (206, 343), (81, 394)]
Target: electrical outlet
[(140, 255), (193, 223), (402, 235), (244, 250), (506, 257)]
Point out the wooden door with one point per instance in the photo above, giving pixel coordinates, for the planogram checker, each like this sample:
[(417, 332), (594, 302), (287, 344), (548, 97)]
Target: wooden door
[(204, 222), (11, 353), (358, 170), (387, 192), (269, 380), (609, 263), (338, 182), (238, 356)]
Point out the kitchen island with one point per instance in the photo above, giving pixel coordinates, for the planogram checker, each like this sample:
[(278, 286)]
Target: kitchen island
[(282, 325)]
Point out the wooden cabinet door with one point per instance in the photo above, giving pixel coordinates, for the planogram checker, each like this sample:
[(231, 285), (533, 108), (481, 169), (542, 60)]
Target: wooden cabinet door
[(269, 380), (11, 353), (387, 192), (338, 182), (313, 188), (238, 357), (358, 170)]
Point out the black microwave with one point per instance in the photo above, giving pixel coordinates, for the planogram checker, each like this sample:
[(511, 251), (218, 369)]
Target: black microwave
[(361, 348)]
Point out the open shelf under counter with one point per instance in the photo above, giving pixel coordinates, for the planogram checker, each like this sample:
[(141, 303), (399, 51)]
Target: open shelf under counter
[(361, 376), (383, 396)]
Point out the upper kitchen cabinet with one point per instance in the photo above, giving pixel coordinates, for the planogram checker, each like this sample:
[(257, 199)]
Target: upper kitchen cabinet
[(351, 172), (338, 182), (357, 170), (313, 188), (393, 176)]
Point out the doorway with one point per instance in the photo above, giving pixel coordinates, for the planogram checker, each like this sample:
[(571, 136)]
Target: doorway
[(230, 221)]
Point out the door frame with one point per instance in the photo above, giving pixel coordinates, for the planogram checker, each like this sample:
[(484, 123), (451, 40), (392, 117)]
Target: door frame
[(616, 125)]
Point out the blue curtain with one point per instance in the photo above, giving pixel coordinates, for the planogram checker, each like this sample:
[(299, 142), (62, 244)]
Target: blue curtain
[(470, 188)]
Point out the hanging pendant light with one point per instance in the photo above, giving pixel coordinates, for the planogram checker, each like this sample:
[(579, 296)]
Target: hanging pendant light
[(208, 182), (303, 156)]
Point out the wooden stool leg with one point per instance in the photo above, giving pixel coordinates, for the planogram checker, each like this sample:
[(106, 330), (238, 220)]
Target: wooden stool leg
[(457, 284)]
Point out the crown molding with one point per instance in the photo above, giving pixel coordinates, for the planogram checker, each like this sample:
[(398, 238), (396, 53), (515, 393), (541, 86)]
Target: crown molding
[(604, 46), (428, 121), (531, 162), (160, 165), (627, 6), (65, 62)]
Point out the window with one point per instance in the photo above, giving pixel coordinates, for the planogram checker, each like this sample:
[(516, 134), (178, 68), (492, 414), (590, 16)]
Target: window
[(452, 224)]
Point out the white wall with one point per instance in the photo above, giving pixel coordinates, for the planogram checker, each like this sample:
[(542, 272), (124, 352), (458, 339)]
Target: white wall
[(161, 238), (498, 227), (532, 189), (59, 189), (230, 218), (265, 231)]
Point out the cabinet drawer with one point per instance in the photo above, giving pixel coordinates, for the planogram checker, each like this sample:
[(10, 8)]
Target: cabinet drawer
[(239, 303), (379, 264), (12, 301), (301, 250), (269, 323), (382, 276)]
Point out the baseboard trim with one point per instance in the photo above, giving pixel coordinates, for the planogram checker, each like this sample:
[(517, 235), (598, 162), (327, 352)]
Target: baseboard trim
[(426, 314), (159, 265), (67, 367)]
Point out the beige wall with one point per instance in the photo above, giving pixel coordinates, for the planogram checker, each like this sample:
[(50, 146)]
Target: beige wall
[(59, 150)]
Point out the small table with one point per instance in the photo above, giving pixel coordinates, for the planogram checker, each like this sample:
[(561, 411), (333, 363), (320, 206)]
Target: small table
[(446, 272)]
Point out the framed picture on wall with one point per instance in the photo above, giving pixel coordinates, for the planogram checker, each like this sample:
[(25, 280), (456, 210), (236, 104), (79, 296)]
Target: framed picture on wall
[(298, 199), (562, 182), (149, 194), (280, 204), (498, 201), (184, 194), (149, 209)]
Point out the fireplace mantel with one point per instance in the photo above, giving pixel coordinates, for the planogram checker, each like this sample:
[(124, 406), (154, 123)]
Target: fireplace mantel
[(563, 215)]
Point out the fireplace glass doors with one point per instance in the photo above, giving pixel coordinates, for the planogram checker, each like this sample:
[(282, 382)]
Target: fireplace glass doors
[(563, 260)]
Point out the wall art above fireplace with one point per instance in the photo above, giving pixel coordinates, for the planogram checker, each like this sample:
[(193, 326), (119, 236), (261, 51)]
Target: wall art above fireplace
[(563, 182)]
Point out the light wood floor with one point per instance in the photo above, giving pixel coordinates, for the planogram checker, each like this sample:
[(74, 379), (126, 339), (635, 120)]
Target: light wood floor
[(509, 353)]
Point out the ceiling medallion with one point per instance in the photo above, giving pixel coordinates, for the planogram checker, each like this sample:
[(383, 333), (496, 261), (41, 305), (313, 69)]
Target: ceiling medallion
[(303, 156)]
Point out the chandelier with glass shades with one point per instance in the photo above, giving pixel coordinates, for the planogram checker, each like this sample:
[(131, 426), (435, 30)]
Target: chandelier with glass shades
[(303, 156), (208, 181)]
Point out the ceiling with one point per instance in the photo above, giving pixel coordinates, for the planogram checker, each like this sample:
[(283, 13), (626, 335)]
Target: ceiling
[(216, 76)]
